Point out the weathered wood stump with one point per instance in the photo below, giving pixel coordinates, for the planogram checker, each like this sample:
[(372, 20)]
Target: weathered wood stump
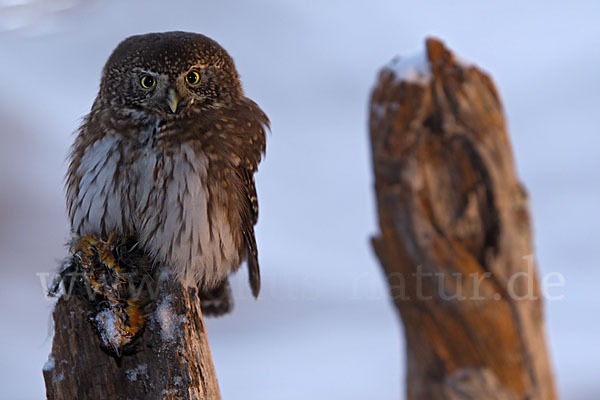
[(171, 359), (455, 241)]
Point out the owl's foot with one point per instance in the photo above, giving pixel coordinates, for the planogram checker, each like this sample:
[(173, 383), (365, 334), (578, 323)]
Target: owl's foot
[(217, 301)]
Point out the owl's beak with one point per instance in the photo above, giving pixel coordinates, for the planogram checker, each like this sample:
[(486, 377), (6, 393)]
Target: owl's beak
[(172, 100)]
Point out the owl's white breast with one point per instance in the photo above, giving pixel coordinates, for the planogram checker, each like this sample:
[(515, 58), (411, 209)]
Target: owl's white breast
[(162, 196), (97, 203)]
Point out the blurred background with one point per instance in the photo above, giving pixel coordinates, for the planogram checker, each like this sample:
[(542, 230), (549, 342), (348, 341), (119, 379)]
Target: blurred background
[(323, 327)]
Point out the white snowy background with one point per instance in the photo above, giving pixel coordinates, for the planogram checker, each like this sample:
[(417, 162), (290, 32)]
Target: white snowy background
[(323, 327)]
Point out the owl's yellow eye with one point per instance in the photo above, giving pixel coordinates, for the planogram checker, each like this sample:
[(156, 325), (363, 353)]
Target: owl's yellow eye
[(147, 81), (192, 78)]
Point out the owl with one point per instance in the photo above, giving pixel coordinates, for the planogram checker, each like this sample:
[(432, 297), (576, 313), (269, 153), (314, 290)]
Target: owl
[(167, 155)]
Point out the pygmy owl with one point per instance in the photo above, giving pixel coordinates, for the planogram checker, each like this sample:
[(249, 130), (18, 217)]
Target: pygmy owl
[(167, 155)]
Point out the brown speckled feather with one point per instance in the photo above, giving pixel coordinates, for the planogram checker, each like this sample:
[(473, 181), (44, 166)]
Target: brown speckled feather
[(172, 163)]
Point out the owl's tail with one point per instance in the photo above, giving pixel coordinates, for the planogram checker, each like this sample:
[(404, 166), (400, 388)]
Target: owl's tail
[(254, 273)]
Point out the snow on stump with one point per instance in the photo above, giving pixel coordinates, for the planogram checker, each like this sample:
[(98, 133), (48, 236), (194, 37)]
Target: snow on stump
[(455, 240)]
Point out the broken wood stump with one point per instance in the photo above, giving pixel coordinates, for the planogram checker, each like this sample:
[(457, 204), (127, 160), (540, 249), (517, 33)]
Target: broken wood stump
[(126, 330), (455, 240)]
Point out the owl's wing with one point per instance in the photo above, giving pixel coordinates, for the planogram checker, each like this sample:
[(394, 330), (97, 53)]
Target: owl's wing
[(253, 123), (248, 227)]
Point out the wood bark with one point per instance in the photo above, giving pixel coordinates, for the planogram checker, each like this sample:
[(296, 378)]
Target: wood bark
[(170, 362), (455, 241)]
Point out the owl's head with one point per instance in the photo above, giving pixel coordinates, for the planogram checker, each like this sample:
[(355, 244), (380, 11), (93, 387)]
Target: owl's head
[(168, 75)]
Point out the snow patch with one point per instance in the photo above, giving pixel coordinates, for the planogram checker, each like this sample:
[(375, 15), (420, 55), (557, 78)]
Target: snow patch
[(140, 370), (378, 110), (109, 333), (49, 365), (169, 392), (413, 69), (463, 62), (167, 319), (57, 378)]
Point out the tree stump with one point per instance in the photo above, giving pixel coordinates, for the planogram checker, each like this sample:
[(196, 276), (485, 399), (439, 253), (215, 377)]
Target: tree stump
[(455, 241), (171, 358)]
